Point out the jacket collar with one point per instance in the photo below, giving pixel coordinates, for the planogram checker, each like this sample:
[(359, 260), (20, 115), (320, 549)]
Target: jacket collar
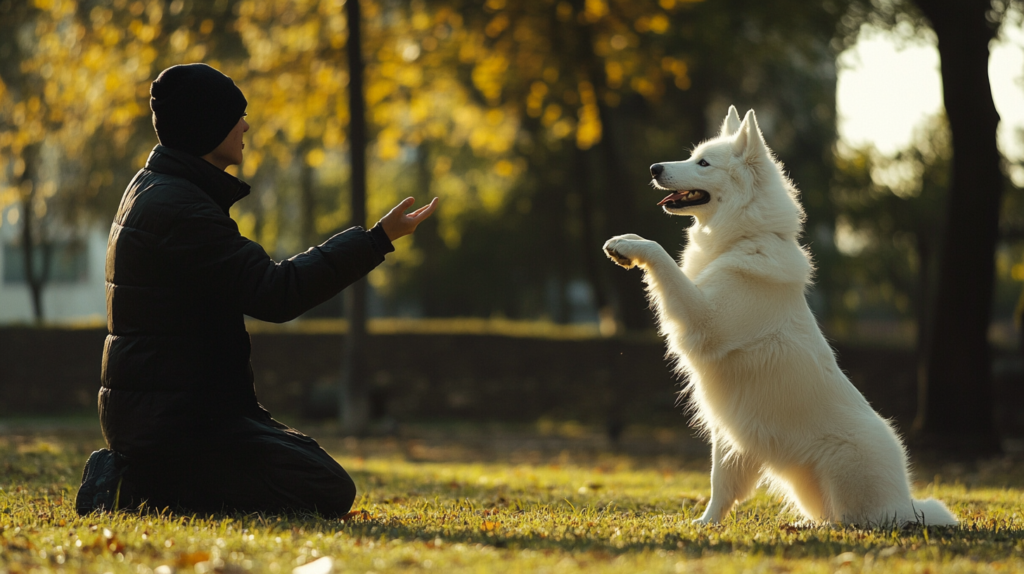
[(221, 186)]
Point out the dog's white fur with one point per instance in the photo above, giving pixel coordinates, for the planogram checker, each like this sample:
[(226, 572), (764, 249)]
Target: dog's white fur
[(763, 380)]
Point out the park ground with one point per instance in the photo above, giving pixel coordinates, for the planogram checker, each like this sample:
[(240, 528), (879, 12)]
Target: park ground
[(547, 497)]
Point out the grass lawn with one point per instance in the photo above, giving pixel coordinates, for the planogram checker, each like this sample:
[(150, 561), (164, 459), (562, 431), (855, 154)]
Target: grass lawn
[(548, 498)]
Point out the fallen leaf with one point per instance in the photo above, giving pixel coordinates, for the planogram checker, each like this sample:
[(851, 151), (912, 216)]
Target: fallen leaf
[(845, 558), (192, 558), (323, 565)]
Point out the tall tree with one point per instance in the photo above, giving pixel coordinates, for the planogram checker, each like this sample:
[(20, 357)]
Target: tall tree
[(355, 395), (956, 408), (74, 79), (52, 64), (26, 122), (890, 215)]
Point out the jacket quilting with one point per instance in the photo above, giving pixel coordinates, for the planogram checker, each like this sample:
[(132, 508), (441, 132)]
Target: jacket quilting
[(179, 280)]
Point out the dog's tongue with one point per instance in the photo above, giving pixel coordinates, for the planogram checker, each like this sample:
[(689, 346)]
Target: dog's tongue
[(672, 197)]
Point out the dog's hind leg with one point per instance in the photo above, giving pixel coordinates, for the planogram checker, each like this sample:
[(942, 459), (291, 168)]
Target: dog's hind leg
[(867, 484), (734, 477)]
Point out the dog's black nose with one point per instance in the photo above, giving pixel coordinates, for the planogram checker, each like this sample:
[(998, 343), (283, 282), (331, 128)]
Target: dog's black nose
[(656, 169)]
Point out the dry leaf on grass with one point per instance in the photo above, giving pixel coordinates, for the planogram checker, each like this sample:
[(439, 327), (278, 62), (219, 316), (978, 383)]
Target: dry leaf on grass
[(323, 565), (356, 514), (187, 559)]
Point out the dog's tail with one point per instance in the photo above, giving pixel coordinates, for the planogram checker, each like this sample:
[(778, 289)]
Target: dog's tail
[(931, 512)]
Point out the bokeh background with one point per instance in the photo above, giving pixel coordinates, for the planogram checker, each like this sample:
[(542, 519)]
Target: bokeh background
[(535, 122)]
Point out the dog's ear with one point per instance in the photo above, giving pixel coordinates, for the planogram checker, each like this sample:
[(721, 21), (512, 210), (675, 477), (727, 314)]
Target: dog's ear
[(749, 143), (731, 123)]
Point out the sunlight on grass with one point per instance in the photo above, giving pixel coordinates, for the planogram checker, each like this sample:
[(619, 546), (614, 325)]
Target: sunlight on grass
[(611, 512)]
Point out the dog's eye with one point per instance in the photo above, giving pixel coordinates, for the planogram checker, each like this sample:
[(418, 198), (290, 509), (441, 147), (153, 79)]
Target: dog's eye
[(703, 163)]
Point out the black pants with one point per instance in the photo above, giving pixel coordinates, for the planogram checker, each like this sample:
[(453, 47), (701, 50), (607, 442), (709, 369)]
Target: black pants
[(247, 464)]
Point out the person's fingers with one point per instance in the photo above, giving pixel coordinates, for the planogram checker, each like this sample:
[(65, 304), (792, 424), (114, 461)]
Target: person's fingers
[(418, 216), (431, 207), (423, 208), (419, 211), (399, 210), (425, 211), (405, 203), (398, 223)]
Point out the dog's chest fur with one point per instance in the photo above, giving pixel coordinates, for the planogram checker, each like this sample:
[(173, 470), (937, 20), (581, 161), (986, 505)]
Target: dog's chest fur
[(733, 380)]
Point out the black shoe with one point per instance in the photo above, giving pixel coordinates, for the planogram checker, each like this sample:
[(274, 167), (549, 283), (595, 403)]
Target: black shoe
[(103, 485)]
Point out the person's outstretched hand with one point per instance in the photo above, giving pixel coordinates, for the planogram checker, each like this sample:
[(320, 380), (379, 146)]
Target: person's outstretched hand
[(397, 223)]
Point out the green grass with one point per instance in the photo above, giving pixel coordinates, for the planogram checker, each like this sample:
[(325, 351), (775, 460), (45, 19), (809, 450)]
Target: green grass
[(466, 499)]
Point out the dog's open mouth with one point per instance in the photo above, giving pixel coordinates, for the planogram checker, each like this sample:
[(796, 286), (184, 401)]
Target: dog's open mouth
[(684, 198)]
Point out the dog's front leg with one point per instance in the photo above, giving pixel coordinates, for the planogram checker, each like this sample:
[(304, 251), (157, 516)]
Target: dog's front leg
[(631, 250), (733, 479), (676, 299)]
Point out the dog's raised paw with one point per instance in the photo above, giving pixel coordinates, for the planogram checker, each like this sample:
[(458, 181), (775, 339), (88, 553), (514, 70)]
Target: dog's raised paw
[(618, 258), (623, 250)]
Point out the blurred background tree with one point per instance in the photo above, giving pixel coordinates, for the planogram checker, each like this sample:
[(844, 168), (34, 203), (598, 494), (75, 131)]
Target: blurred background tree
[(955, 403), (535, 122), (889, 229), (955, 406), (63, 81), (74, 85), (600, 91)]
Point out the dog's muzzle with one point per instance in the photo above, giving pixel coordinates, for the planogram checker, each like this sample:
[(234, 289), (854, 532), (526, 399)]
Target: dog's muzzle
[(685, 198)]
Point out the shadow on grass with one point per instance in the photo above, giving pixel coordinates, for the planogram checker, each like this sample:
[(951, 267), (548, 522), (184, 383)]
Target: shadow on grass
[(750, 535)]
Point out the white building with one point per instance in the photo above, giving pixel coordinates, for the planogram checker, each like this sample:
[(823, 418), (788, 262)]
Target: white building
[(75, 292)]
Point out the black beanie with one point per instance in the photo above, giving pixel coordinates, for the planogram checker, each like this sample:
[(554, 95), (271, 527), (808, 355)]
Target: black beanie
[(194, 107)]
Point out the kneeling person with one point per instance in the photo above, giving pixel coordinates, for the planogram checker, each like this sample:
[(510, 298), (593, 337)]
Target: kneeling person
[(177, 404)]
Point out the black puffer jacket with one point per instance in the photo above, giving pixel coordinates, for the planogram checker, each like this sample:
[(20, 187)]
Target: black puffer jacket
[(180, 277)]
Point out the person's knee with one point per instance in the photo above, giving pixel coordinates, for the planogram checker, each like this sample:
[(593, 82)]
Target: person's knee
[(336, 491), (337, 500), (296, 475)]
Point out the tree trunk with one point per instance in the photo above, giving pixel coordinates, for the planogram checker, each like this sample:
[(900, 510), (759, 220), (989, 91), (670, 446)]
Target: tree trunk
[(428, 239), (35, 275), (354, 411), (956, 410), (307, 206), (630, 300), (591, 244), (633, 309), (923, 309)]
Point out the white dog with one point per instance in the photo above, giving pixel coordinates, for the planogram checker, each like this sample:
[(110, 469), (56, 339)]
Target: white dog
[(763, 381)]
